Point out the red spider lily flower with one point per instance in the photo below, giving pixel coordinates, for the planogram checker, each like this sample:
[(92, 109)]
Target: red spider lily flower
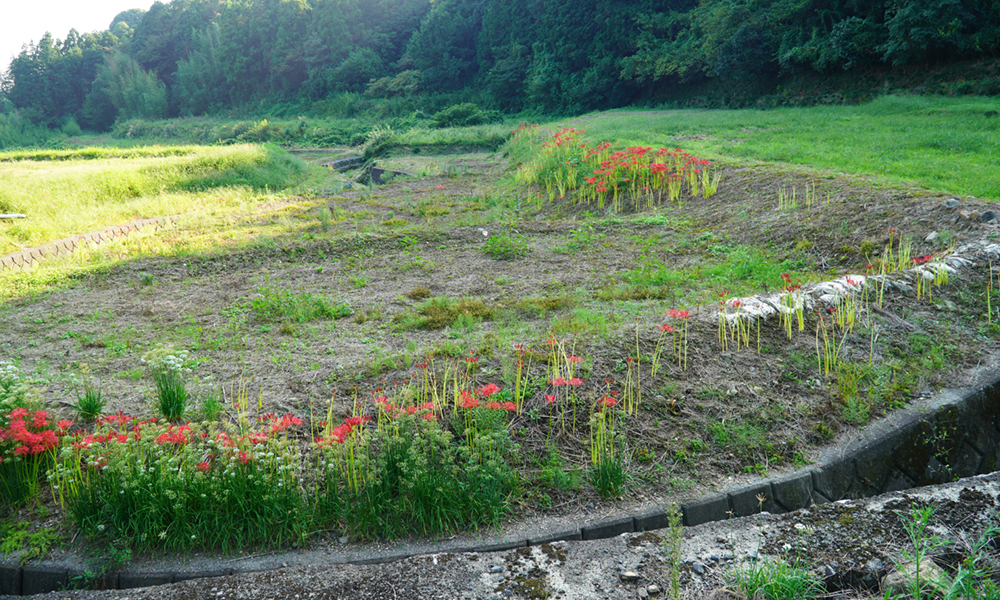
[(558, 382), (41, 417), (488, 390), (919, 260), (574, 359), (287, 421), (203, 466), (510, 406), (64, 425), (575, 382), (550, 398), (666, 328), (440, 187), (469, 403), (491, 405), (607, 401), (18, 413), (244, 457)]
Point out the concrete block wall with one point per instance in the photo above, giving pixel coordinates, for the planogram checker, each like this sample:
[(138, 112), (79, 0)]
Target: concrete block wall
[(30, 257)]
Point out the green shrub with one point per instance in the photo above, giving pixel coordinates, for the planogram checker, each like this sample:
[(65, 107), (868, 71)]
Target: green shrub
[(466, 114), (168, 370)]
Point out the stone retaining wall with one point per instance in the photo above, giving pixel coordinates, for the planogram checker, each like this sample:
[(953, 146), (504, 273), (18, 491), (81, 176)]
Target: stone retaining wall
[(28, 258), (952, 435)]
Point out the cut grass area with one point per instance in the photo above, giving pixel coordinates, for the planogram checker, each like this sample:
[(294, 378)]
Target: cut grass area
[(943, 144), (89, 190)]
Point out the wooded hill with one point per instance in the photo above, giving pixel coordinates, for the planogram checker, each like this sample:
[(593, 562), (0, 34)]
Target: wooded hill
[(194, 57)]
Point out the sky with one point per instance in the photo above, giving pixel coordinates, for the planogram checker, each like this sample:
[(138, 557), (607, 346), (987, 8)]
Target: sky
[(28, 20)]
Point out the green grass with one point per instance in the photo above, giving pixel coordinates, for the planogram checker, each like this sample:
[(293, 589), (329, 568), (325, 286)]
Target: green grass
[(85, 191), (943, 144), (479, 136), (275, 305), (775, 581)]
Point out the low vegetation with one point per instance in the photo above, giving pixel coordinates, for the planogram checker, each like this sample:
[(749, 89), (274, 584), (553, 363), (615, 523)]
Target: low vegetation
[(535, 338)]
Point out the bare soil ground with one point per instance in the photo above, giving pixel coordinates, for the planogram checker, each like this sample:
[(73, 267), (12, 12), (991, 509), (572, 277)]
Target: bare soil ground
[(381, 250)]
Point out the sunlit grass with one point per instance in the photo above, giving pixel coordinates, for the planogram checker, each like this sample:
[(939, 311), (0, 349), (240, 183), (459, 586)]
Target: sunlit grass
[(942, 144), (77, 195)]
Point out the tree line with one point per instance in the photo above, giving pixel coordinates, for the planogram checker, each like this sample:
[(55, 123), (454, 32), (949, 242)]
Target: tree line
[(195, 57)]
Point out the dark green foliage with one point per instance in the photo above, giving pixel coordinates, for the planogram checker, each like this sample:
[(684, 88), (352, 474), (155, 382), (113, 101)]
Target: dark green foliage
[(194, 57), (461, 115)]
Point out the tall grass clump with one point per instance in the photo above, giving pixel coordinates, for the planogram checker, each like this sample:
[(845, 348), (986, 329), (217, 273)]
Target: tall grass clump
[(404, 473), (168, 371), (776, 581)]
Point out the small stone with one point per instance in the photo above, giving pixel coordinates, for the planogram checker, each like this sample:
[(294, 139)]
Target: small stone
[(496, 569), (343, 539), (952, 203), (629, 576), (987, 216), (874, 565), (720, 539), (828, 572), (642, 593), (698, 568), (653, 590), (752, 555), (969, 215), (900, 581), (931, 237), (714, 558)]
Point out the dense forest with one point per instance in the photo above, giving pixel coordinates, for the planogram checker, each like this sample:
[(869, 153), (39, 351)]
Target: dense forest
[(196, 57)]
